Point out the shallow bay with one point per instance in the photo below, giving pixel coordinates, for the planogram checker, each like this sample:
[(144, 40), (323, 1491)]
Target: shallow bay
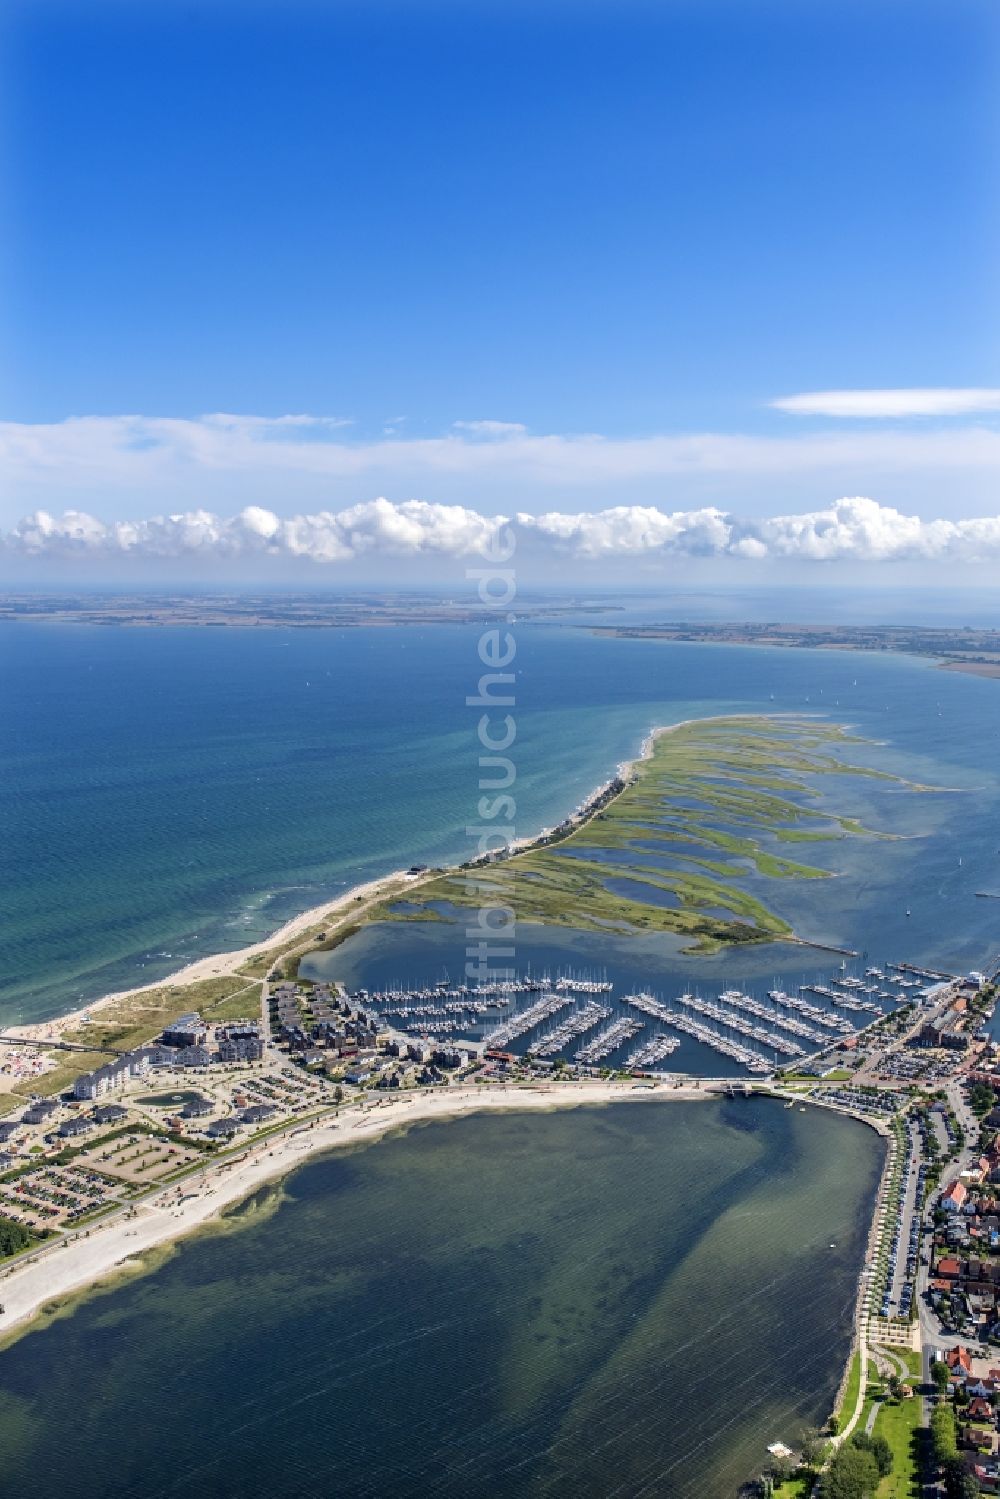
[(598, 1301)]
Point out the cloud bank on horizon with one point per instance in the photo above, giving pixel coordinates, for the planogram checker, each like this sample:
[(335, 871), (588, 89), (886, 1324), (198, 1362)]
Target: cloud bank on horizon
[(67, 475), (852, 529)]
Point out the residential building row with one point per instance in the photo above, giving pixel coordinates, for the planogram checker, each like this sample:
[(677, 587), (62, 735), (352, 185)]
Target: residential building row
[(183, 1044)]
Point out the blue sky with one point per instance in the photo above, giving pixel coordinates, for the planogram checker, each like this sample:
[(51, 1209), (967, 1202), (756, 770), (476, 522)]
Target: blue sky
[(644, 221)]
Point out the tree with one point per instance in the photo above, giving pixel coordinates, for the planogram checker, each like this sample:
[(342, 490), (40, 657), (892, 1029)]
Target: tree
[(982, 1098), (811, 1446), (959, 1483), (852, 1474), (13, 1237), (879, 1449), (941, 1375), (944, 1441)]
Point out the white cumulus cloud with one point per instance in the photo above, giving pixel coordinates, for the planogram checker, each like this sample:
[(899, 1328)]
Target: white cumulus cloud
[(632, 530), (376, 526), (854, 529)]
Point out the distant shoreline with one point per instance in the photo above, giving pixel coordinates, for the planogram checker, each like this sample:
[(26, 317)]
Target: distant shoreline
[(974, 651), (262, 611), (950, 649), (972, 668)]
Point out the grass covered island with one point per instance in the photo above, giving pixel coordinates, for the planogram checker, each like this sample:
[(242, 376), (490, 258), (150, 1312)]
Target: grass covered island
[(668, 845)]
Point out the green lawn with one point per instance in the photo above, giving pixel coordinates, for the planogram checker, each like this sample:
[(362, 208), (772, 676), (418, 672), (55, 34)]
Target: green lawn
[(839, 1075), (136, 1018), (851, 1390), (897, 1421), (242, 1002), (795, 1488)]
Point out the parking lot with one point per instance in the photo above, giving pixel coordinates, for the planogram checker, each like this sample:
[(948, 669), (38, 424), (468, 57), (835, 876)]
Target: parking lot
[(138, 1158), (53, 1196)]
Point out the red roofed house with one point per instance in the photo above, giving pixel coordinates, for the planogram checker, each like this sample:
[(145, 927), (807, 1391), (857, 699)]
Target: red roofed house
[(954, 1197), (947, 1267), (959, 1360), (986, 1477)]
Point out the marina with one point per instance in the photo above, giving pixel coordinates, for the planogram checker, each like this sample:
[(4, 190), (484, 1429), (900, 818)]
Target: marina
[(548, 1014), (730, 1019)]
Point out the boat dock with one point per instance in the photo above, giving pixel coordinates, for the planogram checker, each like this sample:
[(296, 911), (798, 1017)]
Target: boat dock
[(607, 1041), (574, 1025), (519, 1025)]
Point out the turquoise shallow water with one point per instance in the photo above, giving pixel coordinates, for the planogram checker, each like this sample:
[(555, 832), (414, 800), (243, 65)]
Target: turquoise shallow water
[(170, 793), (598, 1303)]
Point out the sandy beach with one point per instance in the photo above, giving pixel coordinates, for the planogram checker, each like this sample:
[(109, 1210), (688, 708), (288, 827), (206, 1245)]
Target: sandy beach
[(221, 965), (68, 1267)]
